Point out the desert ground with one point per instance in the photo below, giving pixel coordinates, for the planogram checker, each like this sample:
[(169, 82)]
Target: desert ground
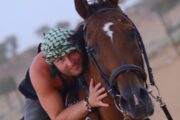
[(166, 69)]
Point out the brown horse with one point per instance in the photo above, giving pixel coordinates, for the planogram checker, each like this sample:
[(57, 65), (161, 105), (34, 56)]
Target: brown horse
[(115, 60)]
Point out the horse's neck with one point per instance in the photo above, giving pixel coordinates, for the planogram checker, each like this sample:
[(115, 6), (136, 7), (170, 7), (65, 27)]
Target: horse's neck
[(106, 113), (91, 73)]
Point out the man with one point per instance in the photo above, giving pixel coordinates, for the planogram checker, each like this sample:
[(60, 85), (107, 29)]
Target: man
[(52, 73)]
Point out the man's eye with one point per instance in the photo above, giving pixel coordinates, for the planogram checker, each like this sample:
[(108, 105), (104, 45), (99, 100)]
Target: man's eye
[(73, 52), (60, 59)]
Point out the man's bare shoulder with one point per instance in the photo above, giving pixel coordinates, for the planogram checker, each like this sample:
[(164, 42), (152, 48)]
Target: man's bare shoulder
[(39, 70), (40, 74), (39, 66)]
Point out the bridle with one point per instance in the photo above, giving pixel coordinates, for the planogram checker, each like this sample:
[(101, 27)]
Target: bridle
[(109, 81), (119, 70)]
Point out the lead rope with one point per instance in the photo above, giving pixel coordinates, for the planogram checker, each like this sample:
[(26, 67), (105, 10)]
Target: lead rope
[(158, 98)]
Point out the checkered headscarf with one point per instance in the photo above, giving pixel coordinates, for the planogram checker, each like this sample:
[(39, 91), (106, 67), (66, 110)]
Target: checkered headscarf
[(56, 44)]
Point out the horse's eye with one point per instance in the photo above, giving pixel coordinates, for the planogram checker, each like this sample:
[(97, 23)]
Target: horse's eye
[(91, 50)]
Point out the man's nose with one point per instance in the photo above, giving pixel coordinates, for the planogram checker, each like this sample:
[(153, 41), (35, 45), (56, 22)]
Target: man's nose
[(68, 61)]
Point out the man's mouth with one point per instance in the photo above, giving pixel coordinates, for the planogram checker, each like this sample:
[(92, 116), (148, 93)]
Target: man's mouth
[(76, 66)]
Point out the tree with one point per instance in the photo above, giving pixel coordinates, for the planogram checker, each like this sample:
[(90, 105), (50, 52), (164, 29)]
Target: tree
[(11, 46), (165, 5), (64, 25), (42, 30), (3, 57), (161, 7)]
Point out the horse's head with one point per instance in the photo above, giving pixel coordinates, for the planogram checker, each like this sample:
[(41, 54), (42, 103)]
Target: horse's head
[(112, 40)]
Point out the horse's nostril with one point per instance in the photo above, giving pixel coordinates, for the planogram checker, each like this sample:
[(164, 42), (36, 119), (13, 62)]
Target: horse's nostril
[(144, 94), (124, 102)]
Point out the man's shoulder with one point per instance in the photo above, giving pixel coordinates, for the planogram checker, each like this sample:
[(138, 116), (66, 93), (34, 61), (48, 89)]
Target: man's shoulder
[(39, 68), (39, 64)]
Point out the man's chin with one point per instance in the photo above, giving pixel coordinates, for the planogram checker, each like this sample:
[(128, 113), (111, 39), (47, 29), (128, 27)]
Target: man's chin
[(76, 73)]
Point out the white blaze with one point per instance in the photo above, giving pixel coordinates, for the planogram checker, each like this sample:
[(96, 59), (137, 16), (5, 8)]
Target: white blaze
[(91, 2), (107, 30), (136, 99)]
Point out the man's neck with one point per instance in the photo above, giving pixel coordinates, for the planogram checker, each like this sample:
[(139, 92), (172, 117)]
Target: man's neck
[(69, 78)]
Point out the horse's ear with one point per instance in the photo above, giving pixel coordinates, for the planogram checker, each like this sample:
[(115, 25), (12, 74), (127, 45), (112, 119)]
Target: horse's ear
[(82, 8), (113, 3)]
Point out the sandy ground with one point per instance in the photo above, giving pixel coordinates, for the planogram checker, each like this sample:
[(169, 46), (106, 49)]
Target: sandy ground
[(166, 69)]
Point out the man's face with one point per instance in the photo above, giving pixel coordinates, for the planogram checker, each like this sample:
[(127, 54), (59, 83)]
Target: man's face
[(71, 64)]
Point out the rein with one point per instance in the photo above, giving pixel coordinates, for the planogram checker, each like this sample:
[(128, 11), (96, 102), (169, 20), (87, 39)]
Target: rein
[(158, 98), (108, 81)]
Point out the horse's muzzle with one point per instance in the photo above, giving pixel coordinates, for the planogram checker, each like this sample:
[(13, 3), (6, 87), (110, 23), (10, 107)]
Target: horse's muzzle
[(138, 105)]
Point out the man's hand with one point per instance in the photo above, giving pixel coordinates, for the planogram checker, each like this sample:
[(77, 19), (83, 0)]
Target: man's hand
[(96, 95)]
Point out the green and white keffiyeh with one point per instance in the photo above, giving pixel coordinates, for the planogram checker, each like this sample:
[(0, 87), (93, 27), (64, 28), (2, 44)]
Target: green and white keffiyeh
[(56, 44)]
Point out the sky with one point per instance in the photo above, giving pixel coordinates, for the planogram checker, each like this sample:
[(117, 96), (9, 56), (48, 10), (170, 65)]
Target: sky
[(23, 17)]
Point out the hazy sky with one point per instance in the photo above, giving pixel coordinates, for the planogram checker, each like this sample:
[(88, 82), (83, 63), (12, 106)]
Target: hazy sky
[(23, 17)]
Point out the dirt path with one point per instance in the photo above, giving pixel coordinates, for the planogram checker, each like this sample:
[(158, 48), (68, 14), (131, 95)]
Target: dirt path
[(166, 69)]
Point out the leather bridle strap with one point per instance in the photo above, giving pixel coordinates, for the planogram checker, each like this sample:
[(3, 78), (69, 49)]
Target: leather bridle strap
[(105, 78)]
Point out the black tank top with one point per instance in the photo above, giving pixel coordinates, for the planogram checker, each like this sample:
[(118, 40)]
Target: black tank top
[(26, 87), (28, 91)]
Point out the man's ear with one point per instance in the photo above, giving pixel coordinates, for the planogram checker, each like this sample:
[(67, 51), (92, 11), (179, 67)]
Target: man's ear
[(82, 8)]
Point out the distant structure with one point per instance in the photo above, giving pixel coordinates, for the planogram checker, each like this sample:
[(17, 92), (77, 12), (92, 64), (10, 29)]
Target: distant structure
[(42, 30), (65, 25), (157, 28), (11, 46), (8, 49)]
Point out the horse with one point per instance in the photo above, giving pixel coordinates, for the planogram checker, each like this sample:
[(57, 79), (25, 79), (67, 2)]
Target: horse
[(115, 60)]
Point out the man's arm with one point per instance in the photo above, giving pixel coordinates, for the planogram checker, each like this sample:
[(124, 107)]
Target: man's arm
[(79, 110), (52, 101)]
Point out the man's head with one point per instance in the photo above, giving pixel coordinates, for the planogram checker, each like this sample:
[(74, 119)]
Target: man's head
[(61, 52)]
